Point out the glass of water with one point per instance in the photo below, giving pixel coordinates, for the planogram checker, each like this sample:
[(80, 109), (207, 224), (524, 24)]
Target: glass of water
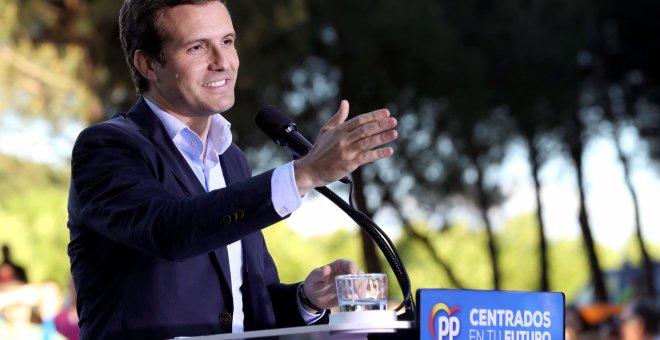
[(362, 292)]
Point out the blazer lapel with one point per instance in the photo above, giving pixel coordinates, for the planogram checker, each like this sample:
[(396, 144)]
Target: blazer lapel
[(153, 129)]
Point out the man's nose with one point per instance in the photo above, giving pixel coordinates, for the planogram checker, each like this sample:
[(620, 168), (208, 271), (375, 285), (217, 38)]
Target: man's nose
[(219, 60)]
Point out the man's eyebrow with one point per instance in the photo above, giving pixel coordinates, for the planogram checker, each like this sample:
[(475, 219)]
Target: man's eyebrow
[(197, 40), (188, 43)]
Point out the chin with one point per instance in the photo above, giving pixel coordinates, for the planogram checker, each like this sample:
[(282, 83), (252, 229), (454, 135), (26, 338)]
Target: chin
[(224, 106)]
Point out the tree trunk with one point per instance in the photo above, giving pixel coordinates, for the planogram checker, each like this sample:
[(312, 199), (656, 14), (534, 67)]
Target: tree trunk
[(647, 264), (371, 261), (483, 209), (544, 280), (576, 146)]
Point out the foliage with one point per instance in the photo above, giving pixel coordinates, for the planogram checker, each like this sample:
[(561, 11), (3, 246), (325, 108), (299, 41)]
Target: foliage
[(40, 78), (631, 252), (33, 219), (462, 246), (296, 256)]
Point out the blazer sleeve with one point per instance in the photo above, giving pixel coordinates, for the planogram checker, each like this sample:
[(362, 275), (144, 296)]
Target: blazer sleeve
[(122, 188), (284, 297)]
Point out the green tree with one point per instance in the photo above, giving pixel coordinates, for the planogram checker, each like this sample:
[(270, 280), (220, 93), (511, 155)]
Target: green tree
[(40, 79), (295, 256), (33, 218)]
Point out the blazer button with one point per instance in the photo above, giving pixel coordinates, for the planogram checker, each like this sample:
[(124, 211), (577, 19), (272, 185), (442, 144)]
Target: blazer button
[(240, 214), (225, 318), (226, 219)]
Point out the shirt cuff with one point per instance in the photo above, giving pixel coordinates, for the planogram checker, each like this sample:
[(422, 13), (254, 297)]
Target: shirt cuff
[(285, 197), (309, 318)]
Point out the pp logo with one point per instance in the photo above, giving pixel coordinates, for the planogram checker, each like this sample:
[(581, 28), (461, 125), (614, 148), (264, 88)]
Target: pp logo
[(448, 325)]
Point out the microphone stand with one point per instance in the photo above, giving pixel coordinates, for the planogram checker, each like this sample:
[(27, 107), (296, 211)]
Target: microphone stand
[(384, 244)]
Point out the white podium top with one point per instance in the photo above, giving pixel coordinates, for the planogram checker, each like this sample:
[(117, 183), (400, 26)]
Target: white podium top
[(368, 325)]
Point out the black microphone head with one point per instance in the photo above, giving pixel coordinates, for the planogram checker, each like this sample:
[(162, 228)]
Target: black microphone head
[(272, 122)]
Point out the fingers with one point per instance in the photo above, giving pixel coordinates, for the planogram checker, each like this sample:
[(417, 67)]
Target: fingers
[(337, 267), (374, 155), (326, 272), (319, 286), (365, 119), (370, 130), (362, 126), (339, 117), (342, 266)]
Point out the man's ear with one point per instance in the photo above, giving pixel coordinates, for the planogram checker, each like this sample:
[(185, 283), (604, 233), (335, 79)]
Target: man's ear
[(145, 64)]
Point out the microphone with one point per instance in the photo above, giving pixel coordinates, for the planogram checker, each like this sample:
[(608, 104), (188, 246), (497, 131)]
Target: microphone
[(283, 131)]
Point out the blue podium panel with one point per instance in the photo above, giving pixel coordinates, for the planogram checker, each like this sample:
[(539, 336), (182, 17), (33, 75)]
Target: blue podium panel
[(453, 314)]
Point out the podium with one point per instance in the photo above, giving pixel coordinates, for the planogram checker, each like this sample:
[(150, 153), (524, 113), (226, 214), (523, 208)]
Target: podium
[(443, 314), (348, 330)]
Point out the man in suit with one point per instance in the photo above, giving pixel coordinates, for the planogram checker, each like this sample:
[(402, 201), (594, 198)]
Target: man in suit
[(165, 216)]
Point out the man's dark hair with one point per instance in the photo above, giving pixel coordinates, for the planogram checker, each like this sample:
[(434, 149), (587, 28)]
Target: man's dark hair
[(138, 31), (645, 310), (18, 272)]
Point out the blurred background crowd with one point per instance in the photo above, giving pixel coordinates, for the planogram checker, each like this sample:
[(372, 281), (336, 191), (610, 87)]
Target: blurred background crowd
[(34, 310)]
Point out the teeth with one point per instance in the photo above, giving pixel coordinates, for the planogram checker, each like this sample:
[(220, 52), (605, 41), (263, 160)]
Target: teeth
[(215, 83)]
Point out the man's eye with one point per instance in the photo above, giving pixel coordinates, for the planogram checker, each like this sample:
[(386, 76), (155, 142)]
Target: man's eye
[(228, 41), (196, 48)]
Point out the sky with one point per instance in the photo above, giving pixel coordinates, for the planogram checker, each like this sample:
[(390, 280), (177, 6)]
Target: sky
[(36, 139), (608, 200)]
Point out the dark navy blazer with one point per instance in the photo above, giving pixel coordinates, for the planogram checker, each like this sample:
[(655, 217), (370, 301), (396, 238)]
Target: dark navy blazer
[(148, 244)]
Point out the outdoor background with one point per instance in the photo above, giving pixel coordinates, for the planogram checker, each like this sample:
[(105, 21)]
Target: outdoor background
[(529, 132)]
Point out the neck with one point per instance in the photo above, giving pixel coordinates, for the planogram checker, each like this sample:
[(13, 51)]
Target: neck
[(198, 124)]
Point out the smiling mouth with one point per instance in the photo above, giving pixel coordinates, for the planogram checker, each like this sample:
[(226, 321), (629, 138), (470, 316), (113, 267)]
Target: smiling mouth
[(218, 83)]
